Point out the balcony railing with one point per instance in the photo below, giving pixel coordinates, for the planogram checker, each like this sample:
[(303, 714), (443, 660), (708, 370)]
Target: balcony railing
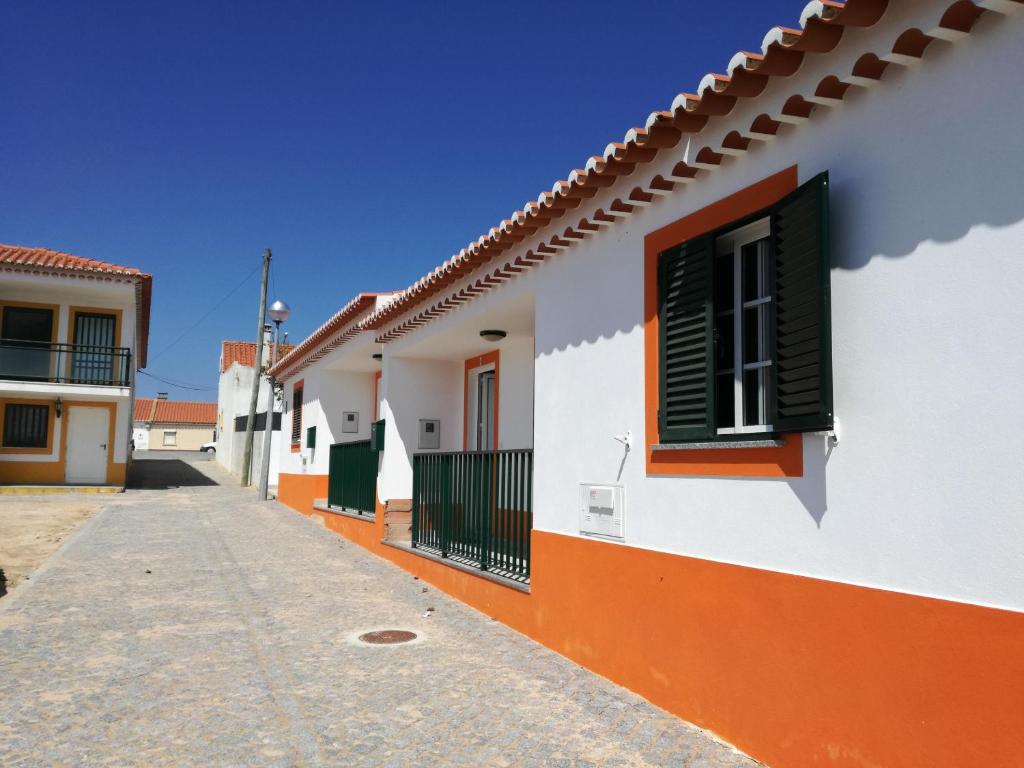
[(65, 363), (475, 508), (352, 477)]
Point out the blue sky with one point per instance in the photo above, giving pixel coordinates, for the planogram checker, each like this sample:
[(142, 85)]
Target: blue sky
[(363, 142)]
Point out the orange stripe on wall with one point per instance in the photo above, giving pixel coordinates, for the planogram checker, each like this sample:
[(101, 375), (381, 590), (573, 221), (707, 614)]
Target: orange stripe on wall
[(793, 670)]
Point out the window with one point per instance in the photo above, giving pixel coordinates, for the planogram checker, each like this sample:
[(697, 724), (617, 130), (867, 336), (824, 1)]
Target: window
[(26, 426), (27, 335), (744, 326), (170, 437), (297, 415)]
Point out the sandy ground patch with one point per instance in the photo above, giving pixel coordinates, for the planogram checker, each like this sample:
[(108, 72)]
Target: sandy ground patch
[(32, 528)]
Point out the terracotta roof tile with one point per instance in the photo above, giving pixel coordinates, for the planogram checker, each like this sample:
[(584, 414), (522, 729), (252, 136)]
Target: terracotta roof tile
[(244, 353), (180, 412), (27, 259), (144, 408)]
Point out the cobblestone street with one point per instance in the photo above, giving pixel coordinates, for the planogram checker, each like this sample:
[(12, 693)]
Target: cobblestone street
[(192, 626)]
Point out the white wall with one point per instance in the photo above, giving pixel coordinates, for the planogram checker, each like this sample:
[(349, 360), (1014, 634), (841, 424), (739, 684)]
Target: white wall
[(417, 389), (924, 492)]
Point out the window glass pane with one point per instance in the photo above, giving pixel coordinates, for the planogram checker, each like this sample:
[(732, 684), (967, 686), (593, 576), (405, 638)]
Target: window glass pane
[(724, 343), (725, 401), (754, 260), (755, 396), (26, 426), (724, 281), (755, 333), (28, 324)]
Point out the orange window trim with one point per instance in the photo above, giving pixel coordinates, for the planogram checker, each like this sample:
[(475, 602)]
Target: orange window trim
[(785, 461), (50, 425), (73, 312), (297, 389), (472, 364), (376, 394)]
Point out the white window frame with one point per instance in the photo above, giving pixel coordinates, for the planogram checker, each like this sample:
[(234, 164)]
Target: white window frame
[(733, 242), (473, 412), (173, 434)]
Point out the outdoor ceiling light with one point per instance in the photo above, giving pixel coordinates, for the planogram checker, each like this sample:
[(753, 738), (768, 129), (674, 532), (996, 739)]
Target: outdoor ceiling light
[(378, 356), (492, 335)]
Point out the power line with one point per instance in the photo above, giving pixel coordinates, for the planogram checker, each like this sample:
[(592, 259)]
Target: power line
[(178, 384), (213, 309)]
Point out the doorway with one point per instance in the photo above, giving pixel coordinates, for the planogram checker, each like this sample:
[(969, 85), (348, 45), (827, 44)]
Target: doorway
[(95, 338), (87, 431), (485, 410)]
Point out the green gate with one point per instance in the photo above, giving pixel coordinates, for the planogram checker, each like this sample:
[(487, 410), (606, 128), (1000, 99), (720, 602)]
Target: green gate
[(352, 477)]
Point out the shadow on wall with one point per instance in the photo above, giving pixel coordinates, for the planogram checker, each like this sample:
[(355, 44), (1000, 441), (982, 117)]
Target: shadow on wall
[(164, 474), (811, 489)]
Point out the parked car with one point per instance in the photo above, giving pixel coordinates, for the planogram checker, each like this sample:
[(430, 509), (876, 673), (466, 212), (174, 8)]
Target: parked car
[(208, 448)]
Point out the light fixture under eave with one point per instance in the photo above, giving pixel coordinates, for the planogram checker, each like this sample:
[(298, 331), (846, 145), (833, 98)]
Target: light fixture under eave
[(378, 356), (493, 335)]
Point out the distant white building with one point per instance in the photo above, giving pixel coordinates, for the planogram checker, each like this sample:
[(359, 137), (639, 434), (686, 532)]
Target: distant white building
[(234, 390)]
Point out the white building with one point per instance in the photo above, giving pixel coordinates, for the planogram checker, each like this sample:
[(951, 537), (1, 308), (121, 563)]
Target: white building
[(173, 425), (234, 392), (73, 331), (731, 415)]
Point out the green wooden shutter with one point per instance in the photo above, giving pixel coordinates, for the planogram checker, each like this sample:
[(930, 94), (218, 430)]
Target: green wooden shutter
[(803, 344), (685, 326)]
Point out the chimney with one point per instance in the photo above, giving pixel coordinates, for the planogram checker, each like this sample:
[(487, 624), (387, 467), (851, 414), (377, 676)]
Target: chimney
[(161, 395)]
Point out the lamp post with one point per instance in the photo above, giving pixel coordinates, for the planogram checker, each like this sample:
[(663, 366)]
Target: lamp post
[(278, 313)]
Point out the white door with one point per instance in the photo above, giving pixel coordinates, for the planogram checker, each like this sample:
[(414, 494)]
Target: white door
[(87, 431)]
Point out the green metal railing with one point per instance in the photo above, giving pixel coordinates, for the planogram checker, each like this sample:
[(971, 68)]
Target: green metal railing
[(352, 477), (475, 507)]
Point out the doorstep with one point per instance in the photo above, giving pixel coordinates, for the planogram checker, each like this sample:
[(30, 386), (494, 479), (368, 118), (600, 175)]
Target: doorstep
[(321, 505), (465, 568), (26, 490)]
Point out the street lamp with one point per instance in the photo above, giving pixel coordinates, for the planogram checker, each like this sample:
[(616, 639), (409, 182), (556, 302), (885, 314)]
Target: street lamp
[(278, 312)]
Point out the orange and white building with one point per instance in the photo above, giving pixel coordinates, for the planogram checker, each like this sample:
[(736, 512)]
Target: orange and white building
[(731, 414), (73, 331)]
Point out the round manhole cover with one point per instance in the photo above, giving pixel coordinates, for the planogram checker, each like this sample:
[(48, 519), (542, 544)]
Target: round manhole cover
[(387, 636)]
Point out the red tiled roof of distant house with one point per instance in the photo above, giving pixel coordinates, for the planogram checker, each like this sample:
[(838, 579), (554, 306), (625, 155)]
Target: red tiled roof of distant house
[(45, 260), (244, 353), (182, 412)]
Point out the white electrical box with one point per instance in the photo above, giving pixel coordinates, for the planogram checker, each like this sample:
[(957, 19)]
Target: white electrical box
[(430, 433), (350, 421), (602, 510)]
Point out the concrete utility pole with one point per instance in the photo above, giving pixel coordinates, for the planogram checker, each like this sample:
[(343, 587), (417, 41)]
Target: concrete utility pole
[(278, 313), (250, 424)]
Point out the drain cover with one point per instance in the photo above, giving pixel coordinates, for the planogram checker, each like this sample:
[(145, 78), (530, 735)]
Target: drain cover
[(387, 637)]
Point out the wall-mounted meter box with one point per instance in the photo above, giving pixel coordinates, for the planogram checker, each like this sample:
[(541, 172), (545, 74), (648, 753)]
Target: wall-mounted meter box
[(430, 434), (349, 421), (602, 510)]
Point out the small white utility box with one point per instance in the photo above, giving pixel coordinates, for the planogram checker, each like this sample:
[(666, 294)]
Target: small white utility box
[(350, 421), (430, 434), (602, 510)]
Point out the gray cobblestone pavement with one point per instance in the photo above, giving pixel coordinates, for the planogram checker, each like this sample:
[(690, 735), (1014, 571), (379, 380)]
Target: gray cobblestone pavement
[(191, 626)]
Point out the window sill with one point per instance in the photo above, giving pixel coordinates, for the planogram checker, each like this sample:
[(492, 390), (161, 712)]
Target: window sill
[(767, 443)]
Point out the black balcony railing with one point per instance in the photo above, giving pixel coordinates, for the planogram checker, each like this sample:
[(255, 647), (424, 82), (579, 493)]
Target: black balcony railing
[(65, 363), (475, 508)]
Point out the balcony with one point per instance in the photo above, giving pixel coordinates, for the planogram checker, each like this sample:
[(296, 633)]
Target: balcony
[(52, 363), (475, 508)]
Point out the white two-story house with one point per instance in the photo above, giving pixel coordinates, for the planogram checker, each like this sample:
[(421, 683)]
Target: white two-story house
[(73, 331)]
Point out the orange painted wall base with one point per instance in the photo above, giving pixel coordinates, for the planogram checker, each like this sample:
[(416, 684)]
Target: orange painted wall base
[(793, 670)]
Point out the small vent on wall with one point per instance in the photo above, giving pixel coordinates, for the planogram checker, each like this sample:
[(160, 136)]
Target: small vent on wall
[(602, 510)]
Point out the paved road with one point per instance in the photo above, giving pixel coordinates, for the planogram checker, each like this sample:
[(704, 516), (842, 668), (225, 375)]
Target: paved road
[(187, 625)]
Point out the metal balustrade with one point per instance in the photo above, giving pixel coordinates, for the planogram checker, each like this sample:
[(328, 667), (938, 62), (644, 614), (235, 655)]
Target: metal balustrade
[(352, 477), (65, 363), (476, 508)]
